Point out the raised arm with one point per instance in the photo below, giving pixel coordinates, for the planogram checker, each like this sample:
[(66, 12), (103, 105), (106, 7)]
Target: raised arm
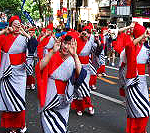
[(48, 56), (73, 52), (137, 40)]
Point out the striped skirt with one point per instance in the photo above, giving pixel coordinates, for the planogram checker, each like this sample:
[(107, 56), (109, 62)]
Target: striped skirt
[(137, 100)]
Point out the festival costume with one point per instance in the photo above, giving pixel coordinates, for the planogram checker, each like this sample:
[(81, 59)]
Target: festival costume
[(101, 59), (56, 87), (13, 80), (136, 92), (93, 62), (83, 100), (45, 46)]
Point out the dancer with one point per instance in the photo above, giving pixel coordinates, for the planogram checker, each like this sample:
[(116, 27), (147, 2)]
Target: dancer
[(59, 74)]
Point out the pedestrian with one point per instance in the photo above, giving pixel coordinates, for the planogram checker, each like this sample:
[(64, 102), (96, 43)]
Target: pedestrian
[(59, 74), (84, 47), (13, 75)]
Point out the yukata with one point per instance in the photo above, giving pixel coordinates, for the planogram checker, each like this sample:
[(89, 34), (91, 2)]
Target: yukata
[(93, 63), (13, 80), (137, 97), (56, 87), (136, 92), (101, 57), (45, 46), (82, 100)]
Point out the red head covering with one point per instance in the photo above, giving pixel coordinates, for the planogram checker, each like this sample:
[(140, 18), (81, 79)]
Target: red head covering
[(138, 30), (103, 28), (90, 24), (44, 29), (14, 18), (87, 28), (50, 26), (32, 29)]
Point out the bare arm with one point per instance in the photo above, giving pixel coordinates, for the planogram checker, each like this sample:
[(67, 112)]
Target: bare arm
[(73, 52), (137, 40), (3, 31), (46, 59), (128, 27), (48, 56)]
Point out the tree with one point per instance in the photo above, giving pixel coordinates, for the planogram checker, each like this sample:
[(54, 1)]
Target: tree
[(11, 6)]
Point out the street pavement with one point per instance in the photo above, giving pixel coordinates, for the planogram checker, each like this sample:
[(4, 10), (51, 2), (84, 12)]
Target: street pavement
[(109, 117)]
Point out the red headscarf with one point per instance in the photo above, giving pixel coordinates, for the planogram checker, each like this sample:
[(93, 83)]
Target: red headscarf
[(87, 28), (50, 26), (32, 29), (14, 18), (138, 30)]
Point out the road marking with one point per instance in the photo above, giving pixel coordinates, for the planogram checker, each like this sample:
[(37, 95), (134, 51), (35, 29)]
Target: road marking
[(108, 98), (114, 68), (106, 80), (113, 77)]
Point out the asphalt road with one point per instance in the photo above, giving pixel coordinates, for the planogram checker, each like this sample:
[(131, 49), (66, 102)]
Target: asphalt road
[(109, 117)]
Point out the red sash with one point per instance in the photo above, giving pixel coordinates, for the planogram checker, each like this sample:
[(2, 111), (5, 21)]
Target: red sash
[(42, 76), (131, 59), (17, 59), (9, 40), (40, 47), (80, 45), (141, 69)]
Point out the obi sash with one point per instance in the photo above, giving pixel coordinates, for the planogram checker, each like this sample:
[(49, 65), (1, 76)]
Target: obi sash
[(84, 59), (141, 69), (17, 59)]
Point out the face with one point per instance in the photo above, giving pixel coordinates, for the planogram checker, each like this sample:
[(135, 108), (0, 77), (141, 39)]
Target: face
[(64, 47), (16, 25), (48, 31), (96, 37), (32, 33), (84, 35)]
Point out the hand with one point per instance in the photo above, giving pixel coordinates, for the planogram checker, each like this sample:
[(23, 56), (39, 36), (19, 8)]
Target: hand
[(132, 25), (73, 48), (56, 46)]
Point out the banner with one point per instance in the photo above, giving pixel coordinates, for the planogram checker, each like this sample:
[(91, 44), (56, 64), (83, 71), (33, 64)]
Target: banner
[(29, 17), (68, 19), (23, 4)]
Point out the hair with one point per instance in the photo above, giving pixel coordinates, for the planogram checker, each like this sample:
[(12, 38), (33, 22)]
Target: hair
[(67, 38)]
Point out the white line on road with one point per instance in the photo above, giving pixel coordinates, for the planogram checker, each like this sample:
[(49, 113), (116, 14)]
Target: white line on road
[(118, 69), (108, 98)]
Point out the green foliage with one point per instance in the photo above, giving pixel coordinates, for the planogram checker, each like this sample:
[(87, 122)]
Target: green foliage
[(10, 6)]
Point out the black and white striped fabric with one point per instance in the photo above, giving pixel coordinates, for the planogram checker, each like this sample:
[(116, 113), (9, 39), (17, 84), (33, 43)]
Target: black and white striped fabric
[(55, 122), (52, 120), (137, 104), (29, 68), (84, 90), (102, 58), (54, 103), (12, 100), (93, 70), (121, 75)]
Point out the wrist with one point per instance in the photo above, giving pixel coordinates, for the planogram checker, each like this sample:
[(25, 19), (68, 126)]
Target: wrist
[(75, 56)]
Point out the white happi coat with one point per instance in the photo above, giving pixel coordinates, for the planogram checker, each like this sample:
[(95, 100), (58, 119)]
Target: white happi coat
[(13, 77)]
